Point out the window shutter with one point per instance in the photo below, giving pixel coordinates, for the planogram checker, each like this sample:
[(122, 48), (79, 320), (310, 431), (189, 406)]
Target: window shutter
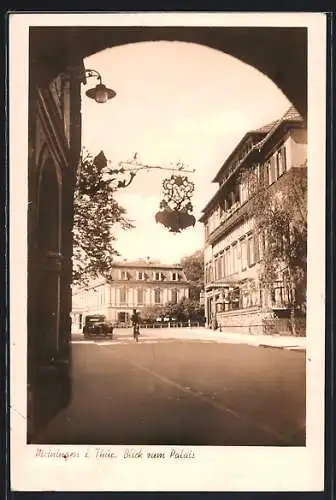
[(222, 266), (266, 173), (244, 253), (278, 165), (256, 248), (283, 159), (261, 245), (272, 170)]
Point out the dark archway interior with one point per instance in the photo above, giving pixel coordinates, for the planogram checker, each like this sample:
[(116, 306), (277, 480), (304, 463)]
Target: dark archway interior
[(49, 209), (48, 283), (279, 53)]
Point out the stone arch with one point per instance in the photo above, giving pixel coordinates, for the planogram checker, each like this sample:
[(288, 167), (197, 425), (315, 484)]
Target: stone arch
[(280, 53)]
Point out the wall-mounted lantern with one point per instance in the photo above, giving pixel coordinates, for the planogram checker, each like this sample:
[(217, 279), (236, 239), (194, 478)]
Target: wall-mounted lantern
[(100, 93)]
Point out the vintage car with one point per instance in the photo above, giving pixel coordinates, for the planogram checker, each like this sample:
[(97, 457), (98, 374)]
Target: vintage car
[(97, 325)]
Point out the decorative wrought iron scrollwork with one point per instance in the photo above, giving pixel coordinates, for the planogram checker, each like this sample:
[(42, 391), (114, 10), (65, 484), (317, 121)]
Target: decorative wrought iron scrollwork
[(176, 205), (175, 208)]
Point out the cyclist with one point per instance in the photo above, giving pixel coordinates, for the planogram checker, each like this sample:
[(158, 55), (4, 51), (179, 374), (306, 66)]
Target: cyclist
[(135, 322)]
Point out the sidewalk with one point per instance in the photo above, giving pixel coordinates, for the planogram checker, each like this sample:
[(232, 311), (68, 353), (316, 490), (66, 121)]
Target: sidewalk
[(277, 341)]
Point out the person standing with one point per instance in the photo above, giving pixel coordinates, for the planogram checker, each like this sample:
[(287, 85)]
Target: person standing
[(135, 323)]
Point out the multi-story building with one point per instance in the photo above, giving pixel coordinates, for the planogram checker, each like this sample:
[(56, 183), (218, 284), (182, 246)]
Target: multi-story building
[(140, 284), (234, 298)]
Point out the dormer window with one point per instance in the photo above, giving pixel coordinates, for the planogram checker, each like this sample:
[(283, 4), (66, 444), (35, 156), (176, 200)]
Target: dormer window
[(124, 275)]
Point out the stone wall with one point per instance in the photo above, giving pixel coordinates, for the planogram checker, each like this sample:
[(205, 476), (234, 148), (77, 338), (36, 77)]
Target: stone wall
[(254, 322), (241, 321)]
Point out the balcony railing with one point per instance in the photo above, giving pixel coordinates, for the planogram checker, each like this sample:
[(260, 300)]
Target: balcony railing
[(225, 216), (237, 163)]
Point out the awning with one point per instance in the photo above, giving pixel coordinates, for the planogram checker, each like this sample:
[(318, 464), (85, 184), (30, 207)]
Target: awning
[(229, 283)]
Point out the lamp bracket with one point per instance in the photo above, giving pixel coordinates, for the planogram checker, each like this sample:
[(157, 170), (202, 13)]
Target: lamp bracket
[(92, 73)]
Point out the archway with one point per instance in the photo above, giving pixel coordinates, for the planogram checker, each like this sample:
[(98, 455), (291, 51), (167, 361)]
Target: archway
[(56, 57), (279, 53)]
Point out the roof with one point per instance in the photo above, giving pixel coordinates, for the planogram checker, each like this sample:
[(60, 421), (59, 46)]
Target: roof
[(290, 116), (145, 264), (266, 128), (234, 151)]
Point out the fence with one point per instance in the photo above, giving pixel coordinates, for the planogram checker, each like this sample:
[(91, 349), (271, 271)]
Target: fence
[(177, 324), (283, 326)]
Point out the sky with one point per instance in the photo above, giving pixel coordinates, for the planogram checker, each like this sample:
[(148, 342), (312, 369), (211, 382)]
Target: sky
[(175, 102)]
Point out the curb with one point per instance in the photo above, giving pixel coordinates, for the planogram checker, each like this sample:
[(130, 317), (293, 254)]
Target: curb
[(208, 340), (286, 347)]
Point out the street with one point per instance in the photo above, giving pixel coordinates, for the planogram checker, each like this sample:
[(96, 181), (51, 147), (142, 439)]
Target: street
[(181, 392)]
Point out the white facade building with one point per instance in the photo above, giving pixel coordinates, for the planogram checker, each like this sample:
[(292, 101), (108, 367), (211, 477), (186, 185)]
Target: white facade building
[(133, 285)]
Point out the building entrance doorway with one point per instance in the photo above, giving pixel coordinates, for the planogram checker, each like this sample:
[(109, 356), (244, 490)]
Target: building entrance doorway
[(123, 317)]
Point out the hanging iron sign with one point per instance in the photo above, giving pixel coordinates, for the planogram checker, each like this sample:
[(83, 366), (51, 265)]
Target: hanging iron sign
[(176, 207)]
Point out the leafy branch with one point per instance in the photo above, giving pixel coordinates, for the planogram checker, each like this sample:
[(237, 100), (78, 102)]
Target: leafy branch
[(96, 215)]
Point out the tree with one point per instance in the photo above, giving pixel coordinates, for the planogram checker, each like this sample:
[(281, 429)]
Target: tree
[(150, 313), (279, 213), (183, 310), (96, 214), (193, 266), (189, 308)]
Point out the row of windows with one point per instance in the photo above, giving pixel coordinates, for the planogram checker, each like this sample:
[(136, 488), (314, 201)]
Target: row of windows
[(240, 300), (237, 159), (99, 297), (276, 166), (243, 298), (228, 205), (156, 276), (267, 173), (237, 257), (141, 296)]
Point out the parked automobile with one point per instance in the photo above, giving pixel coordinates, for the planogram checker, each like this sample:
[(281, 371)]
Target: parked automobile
[(97, 325)]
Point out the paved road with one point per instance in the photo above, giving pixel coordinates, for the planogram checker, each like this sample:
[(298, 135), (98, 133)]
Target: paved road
[(182, 392)]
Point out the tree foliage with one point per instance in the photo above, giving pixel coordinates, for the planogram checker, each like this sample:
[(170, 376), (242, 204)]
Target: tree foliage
[(280, 215), (183, 310), (193, 266), (96, 215)]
